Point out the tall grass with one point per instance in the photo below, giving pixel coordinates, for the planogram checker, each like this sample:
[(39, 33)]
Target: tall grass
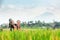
[(31, 34)]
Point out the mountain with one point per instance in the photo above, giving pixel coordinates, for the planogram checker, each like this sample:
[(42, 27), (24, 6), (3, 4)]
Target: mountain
[(47, 17)]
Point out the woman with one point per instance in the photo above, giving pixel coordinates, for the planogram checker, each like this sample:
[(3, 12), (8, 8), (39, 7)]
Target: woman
[(12, 25), (18, 24)]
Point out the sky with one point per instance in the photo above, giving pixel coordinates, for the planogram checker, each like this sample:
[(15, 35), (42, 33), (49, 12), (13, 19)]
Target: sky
[(27, 10)]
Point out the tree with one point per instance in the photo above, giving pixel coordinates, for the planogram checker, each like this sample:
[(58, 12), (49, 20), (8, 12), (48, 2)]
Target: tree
[(22, 24), (39, 23), (30, 24), (44, 24), (56, 24), (4, 26)]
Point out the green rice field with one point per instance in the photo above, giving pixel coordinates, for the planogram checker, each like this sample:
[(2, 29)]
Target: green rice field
[(30, 34)]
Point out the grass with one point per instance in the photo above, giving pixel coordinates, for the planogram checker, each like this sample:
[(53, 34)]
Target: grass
[(30, 34)]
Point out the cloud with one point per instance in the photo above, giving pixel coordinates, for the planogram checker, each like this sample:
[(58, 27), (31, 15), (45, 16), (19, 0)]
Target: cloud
[(23, 10), (12, 10), (24, 14), (11, 6), (28, 12)]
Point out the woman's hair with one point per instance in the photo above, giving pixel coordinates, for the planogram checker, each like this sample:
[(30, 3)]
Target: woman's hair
[(18, 20), (10, 20)]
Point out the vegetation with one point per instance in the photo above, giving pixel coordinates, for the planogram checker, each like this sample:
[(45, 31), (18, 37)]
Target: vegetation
[(30, 34), (36, 24), (38, 31)]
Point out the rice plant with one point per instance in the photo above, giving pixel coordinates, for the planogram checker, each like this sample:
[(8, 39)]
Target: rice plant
[(30, 34)]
